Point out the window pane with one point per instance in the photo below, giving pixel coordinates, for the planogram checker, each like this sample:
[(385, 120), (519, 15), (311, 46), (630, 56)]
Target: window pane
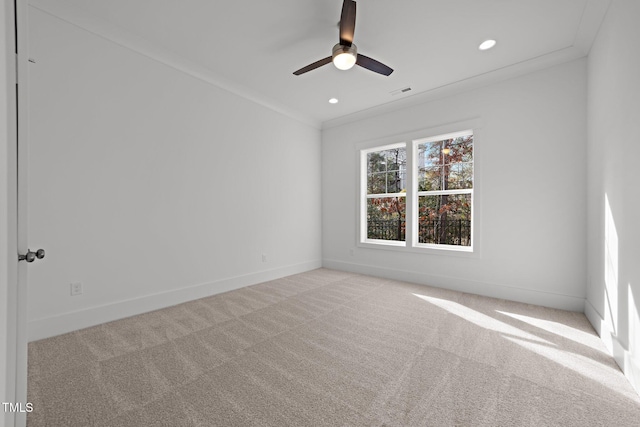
[(386, 218), (430, 178), (396, 181), (386, 171), (377, 183), (445, 219), (376, 162), (462, 149), (459, 176)]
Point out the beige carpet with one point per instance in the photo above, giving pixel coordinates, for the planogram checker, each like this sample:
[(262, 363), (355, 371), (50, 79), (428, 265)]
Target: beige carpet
[(327, 348)]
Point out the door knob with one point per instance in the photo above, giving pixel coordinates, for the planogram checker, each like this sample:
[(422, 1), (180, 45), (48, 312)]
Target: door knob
[(31, 256)]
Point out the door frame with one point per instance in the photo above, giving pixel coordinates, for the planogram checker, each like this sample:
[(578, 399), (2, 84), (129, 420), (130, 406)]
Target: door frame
[(9, 206)]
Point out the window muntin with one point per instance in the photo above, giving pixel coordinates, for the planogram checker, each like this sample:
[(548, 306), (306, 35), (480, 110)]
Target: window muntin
[(419, 194)]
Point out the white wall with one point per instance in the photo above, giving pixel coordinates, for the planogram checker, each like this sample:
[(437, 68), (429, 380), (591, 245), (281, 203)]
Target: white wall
[(614, 202), (152, 187), (530, 189)]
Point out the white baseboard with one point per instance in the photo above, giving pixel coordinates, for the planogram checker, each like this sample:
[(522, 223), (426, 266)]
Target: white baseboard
[(528, 296), (623, 357), (72, 321)]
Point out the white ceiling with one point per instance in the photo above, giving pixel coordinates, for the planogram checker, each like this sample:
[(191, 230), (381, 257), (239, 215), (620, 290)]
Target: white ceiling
[(253, 46)]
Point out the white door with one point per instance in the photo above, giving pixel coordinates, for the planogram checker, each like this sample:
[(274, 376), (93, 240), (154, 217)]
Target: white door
[(28, 256)]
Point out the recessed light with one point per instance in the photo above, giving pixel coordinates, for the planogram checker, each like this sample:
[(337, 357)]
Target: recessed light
[(333, 101), (487, 44)]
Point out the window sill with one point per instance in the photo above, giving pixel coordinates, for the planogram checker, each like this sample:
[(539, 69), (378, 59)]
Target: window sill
[(440, 250)]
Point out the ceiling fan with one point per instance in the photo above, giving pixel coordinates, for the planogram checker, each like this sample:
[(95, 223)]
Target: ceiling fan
[(345, 54)]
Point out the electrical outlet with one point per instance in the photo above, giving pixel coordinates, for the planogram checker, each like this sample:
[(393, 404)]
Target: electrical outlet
[(76, 289), (264, 258)]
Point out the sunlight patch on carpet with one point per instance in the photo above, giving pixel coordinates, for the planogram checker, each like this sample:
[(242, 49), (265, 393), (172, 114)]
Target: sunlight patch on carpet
[(481, 319)]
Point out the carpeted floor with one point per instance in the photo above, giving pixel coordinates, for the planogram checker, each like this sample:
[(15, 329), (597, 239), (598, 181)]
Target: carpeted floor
[(328, 348)]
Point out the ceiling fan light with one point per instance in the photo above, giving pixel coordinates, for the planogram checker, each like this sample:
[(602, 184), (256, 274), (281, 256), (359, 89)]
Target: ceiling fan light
[(344, 61), (344, 57)]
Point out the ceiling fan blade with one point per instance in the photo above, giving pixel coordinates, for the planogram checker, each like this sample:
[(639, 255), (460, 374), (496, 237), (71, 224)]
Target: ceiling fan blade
[(313, 66), (373, 65), (347, 22)]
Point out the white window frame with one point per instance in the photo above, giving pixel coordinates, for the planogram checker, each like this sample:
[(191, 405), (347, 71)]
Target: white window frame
[(411, 142), (416, 194), (364, 196)]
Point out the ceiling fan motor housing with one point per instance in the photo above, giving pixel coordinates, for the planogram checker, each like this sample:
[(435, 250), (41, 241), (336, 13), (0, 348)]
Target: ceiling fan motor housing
[(344, 57)]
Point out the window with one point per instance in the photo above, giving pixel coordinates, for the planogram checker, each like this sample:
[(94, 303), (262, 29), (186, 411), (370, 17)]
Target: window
[(445, 190), (386, 193), (419, 194)]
